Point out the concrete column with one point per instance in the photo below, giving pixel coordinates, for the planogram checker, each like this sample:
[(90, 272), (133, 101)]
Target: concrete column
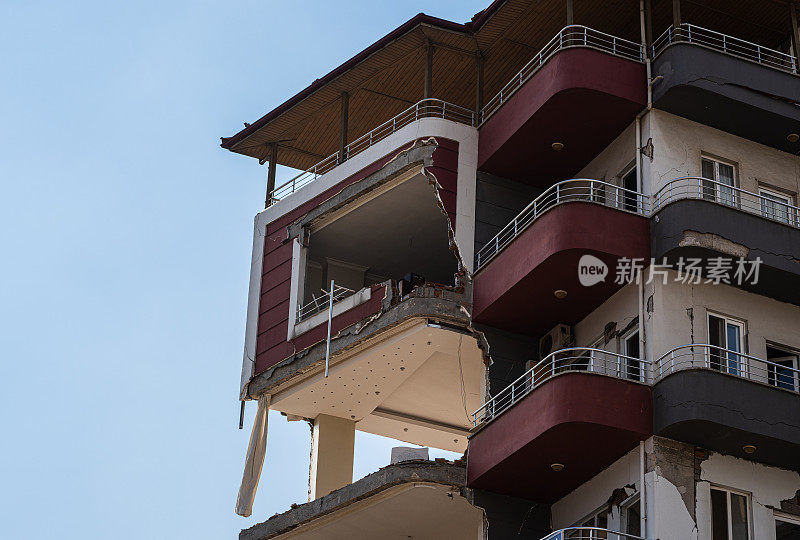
[(273, 164), (343, 126), (570, 13), (428, 70), (479, 83), (332, 447), (676, 13)]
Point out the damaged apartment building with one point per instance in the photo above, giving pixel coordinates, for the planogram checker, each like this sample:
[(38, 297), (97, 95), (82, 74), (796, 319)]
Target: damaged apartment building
[(561, 239)]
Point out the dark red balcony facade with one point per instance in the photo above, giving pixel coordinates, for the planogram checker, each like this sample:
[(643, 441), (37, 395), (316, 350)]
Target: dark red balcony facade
[(515, 290), (582, 95), (581, 421)]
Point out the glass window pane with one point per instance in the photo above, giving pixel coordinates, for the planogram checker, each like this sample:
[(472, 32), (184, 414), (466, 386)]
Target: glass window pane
[(708, 169), (633, 524), (716, 336), (709, 189), (785, 530), (739, 526), (725, 174), (719, 515), (734, 344)]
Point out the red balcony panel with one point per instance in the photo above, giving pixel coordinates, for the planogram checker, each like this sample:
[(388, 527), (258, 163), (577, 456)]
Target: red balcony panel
[(583, 421), (580, 97), (514, 290)]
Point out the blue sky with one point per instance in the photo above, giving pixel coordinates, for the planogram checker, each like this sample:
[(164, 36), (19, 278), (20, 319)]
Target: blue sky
[(126, 234)]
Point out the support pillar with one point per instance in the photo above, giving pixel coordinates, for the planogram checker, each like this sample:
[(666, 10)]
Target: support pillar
[(479, 84), (273, 164), (648, 13), (428, 70), (332, 447), (570, 13), (795, 34), (343, 127), (676, 13)]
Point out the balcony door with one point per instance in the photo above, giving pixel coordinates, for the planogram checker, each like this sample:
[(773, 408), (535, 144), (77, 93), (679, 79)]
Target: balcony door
[(720, 181), (726, 337)]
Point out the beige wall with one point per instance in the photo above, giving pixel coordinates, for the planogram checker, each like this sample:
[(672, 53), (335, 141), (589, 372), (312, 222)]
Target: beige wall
[(621, 308), (678, 144), (674, 325), (614, 160)]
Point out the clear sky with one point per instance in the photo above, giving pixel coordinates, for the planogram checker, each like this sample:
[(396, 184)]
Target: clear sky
[(126, 234)]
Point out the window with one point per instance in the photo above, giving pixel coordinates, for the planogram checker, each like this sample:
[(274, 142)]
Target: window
[(776, 206), (782, 371), (727, 339), (787, 528), (631, 369), (630, 183), (631, 518), (730, 515), (598, 520), (720, 181)]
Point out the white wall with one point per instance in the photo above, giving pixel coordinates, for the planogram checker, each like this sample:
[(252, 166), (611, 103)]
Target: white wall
[(672, 325), (621, 308), (678, 144), (768, 486)]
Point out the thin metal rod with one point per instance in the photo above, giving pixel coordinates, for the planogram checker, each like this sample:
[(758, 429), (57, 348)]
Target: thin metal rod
[(328, 345), (428, 70), (241, 415), (343, 127)]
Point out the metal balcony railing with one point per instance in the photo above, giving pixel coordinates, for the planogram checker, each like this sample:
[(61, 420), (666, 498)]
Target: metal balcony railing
[(597, 361), (575, 359), (568, 37), (696, 35), (589, 533), (693, 187), (426, 108), (322, 302), (711, 357), (576, 190)]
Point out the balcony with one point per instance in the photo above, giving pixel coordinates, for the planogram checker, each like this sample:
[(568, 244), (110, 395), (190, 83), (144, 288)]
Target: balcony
[(562, 94), (426, 108), (728, 83), (547, 416), (721, 400), (379, 506), (538, 253), (748, 223), (392, 367)]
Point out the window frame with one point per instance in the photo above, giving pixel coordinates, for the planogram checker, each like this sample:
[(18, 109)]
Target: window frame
[(748, 513), (624, 204), (743, 364), (604, 511), (623, 512), (786, 518), (767, 194), (772, 372), (717, 185), (624, 369)]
